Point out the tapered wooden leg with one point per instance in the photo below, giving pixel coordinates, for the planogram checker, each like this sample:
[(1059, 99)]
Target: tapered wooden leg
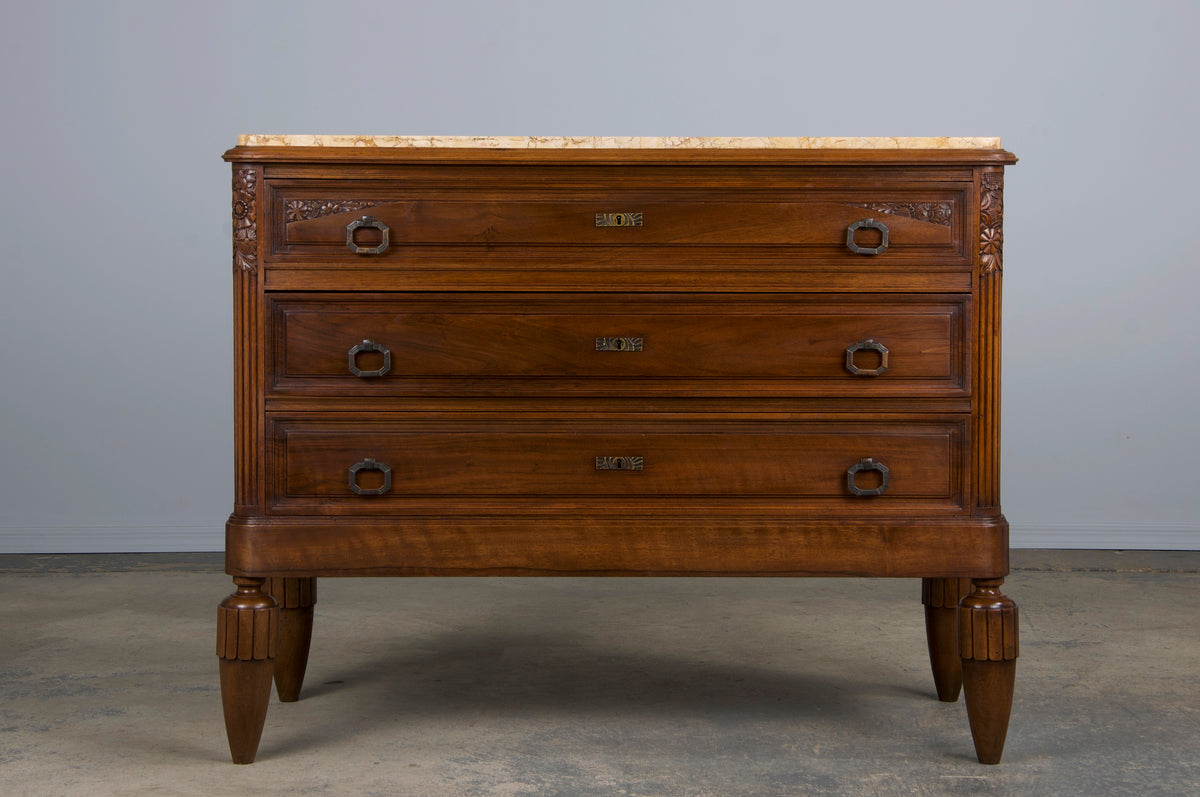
[(941, 597), (987, 639), (247, 640), (296, 597)]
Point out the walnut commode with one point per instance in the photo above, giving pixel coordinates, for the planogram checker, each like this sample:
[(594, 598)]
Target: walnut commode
[(617, 357)]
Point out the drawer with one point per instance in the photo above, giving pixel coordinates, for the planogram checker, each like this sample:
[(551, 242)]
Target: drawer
[(392, 226), (589, 344), (371, 465)]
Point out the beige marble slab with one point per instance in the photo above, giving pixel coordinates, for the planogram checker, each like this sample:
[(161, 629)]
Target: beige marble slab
[(615, 142)]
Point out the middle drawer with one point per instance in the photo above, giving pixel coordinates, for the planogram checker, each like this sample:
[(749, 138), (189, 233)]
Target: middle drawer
[(641, 345)]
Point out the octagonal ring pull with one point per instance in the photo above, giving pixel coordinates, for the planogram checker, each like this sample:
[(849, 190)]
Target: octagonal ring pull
[(373, 223), (370, 345), (370, 464), (867, 224), (867, 464), (864, 345)]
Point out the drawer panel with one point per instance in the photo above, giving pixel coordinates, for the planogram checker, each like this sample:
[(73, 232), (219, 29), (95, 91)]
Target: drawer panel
[(310, 221), (412, 344), (366, 465)]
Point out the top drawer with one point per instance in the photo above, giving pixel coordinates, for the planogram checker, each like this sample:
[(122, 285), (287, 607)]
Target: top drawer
[(390, 224)]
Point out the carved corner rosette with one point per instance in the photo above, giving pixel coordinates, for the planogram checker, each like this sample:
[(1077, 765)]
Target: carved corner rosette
[(245, 224), (991, 224), (248, 623)]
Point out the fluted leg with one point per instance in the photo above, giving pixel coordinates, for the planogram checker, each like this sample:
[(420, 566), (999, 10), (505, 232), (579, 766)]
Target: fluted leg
[(296, 597), (987, 639), (247, 639), (941, 597)]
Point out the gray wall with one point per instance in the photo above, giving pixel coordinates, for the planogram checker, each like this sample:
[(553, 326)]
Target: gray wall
[(115, 339)]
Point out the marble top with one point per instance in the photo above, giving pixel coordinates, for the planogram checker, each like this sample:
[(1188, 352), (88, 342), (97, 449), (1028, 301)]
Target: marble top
[(615, 142)]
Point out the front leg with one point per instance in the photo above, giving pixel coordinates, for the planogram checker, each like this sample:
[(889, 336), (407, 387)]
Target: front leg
[(987, 640), (247, 640), (296, 597)]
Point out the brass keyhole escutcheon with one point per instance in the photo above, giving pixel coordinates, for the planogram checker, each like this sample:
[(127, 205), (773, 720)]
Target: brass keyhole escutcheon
[(626, 219)]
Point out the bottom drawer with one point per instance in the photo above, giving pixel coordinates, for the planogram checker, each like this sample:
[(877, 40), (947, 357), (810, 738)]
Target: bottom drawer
[(414, 464)]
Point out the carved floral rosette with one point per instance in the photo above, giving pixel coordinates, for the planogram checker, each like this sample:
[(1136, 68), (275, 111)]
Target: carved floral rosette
[(245, 229), (991, 223)]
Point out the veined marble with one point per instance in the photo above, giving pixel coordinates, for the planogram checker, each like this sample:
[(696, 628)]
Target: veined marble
[(616, 142)]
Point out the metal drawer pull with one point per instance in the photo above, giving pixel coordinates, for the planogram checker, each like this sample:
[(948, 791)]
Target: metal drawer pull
[(619, 463), (618, 219), (619, 344), (869, 224), (867, 464), (370, 464), (864, 345), (370, 345), (373, 223)]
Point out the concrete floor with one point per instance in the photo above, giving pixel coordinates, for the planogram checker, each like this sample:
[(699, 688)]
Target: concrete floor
[(657, 687)]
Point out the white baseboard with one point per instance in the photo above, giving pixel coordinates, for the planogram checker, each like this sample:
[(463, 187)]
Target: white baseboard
[(175, 539), (112, 539), (1106, 536)]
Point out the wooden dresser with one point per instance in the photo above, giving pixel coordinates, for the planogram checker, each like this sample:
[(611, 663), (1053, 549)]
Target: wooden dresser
[(617, 357)]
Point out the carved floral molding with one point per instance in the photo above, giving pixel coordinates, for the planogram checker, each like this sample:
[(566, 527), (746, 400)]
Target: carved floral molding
[(245, 229), (306, 209), (933, 212), (991, 223)]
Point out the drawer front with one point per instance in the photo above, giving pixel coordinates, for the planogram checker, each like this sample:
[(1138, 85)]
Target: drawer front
[(419, 344), (392, 226), (412, 464)]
